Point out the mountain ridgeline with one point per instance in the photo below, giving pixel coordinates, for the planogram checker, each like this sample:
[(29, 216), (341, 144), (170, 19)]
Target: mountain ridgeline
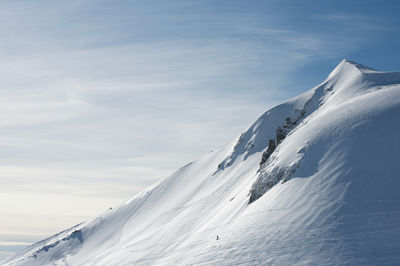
[(312, 181)]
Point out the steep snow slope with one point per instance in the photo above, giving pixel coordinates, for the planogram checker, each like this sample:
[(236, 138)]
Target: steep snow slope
[(328, 193)]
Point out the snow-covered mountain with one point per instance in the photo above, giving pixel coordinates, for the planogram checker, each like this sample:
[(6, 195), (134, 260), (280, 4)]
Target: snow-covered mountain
[(315, 180)]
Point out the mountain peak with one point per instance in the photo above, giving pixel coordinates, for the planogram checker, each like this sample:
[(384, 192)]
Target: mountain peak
[(346, 67), (357, 65)]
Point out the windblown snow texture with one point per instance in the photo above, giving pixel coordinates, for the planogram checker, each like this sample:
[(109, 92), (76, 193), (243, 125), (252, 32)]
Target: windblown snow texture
[(327, 193)]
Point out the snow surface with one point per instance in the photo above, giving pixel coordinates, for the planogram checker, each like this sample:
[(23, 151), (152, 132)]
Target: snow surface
[(338, 203)]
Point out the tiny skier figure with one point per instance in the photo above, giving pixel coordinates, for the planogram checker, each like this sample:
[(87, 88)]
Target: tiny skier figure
[(217, 237)]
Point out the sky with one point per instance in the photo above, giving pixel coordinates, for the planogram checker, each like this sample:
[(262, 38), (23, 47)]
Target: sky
[(101, 99)]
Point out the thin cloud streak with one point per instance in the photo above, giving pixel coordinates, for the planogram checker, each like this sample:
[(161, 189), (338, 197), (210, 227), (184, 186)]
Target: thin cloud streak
[(352, 21), (100, 101)]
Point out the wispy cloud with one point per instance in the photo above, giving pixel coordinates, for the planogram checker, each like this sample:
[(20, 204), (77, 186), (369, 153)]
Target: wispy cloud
[(99, 100), (352, 21)]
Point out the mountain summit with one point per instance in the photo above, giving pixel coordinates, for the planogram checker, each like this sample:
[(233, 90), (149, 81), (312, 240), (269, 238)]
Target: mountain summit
[(314, 180)]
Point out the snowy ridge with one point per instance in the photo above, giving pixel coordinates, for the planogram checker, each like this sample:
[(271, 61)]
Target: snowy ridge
[(326, 194), (347, 74)]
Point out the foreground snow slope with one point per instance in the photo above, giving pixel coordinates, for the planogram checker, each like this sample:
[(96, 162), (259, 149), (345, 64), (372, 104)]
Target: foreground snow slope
[(328, 194)]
